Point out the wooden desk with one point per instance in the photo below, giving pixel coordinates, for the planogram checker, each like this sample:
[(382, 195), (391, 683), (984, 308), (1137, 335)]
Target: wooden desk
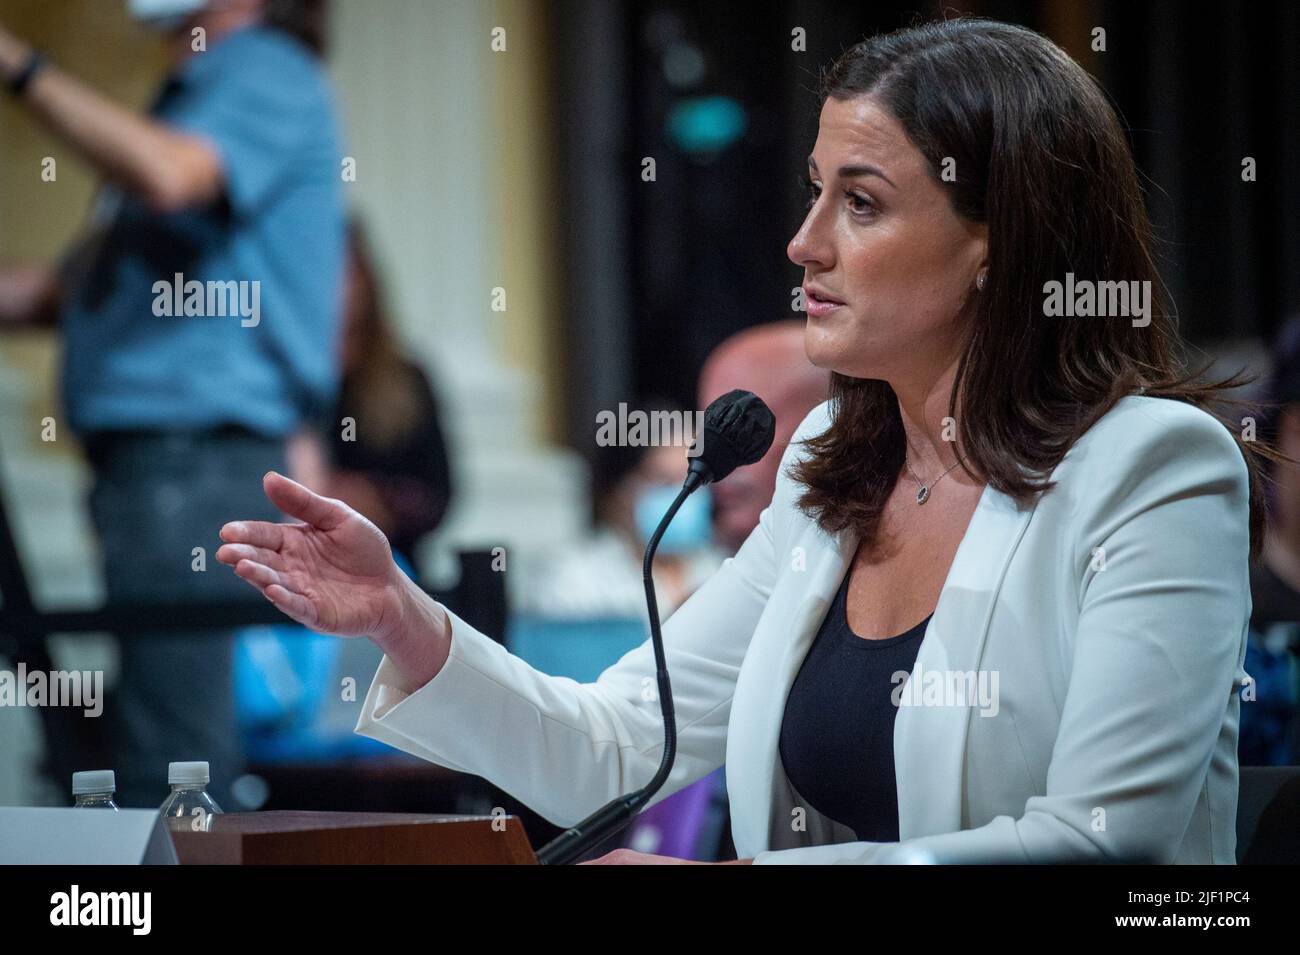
[(288, 837)]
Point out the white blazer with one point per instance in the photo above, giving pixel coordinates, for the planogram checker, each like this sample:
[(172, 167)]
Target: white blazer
[(1112, 614)]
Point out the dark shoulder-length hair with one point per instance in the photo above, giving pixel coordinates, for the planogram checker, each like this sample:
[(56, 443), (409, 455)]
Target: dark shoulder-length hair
[(1040, 157)]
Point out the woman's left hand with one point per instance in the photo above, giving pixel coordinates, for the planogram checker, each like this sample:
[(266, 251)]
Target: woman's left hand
[(631, 857)]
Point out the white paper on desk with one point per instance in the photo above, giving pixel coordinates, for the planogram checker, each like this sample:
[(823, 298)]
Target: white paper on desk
[(45, 836)]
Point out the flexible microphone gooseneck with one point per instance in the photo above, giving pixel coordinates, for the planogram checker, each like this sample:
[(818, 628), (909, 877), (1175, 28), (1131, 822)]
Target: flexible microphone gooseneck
[(738, 429)]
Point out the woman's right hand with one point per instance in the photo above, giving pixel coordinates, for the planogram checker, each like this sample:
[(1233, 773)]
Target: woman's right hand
[(334, 573)]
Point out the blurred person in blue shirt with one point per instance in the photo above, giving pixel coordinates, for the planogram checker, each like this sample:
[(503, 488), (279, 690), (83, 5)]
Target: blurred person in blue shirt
[(200, 316), (599, 577)]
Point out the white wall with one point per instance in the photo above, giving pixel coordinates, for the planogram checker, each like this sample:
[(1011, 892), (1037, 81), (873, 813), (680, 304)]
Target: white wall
[(418, 88)]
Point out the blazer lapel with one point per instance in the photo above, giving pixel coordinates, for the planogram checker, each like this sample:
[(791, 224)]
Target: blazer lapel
[(930, 740), (760, 801)]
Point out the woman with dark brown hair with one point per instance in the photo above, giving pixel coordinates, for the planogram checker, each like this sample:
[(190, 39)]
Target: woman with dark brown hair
[(387, 454), (1038, 482), (381, 449)]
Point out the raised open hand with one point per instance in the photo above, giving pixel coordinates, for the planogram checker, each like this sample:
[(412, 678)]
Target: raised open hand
[(333, 572)]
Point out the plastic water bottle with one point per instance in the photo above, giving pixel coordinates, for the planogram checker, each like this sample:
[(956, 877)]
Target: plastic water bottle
[(189, 808), (93, 789)]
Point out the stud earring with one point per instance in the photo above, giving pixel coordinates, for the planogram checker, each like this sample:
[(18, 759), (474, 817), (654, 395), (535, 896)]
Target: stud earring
[(980, 280)]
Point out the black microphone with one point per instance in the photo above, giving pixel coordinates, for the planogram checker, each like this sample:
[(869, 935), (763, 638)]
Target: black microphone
[(738, 429)]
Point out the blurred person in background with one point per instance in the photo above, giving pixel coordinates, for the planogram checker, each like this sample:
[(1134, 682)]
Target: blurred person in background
[(382, 449), (231, 179), (382, 452), (769, 360), (1270, 722), (600, 577)]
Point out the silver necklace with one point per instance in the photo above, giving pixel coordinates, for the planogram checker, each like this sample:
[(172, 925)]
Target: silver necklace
[(923, 490)]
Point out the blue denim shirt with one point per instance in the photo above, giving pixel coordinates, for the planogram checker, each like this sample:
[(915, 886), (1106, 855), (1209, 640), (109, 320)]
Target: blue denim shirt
[(274, 240)]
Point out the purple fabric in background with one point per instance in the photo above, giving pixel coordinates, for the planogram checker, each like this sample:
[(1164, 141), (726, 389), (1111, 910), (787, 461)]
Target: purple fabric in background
[(673, 827)]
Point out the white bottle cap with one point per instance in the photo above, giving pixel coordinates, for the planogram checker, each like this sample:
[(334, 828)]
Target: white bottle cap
[(188, 774), (93, 781)]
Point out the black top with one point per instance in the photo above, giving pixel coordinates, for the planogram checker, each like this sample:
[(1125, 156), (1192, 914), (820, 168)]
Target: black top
[(837, 735)]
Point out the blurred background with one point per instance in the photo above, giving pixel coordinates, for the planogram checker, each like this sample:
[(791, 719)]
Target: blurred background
[(559, 207)]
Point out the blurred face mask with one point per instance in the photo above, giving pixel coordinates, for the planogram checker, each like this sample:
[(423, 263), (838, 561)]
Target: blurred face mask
[(163, 16), (692, 527)]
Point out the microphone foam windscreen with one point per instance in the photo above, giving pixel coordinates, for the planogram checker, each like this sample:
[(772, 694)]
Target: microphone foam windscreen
[(738, 430)]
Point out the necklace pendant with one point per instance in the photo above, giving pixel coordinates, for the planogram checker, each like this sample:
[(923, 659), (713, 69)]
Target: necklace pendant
[(923, 494)]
